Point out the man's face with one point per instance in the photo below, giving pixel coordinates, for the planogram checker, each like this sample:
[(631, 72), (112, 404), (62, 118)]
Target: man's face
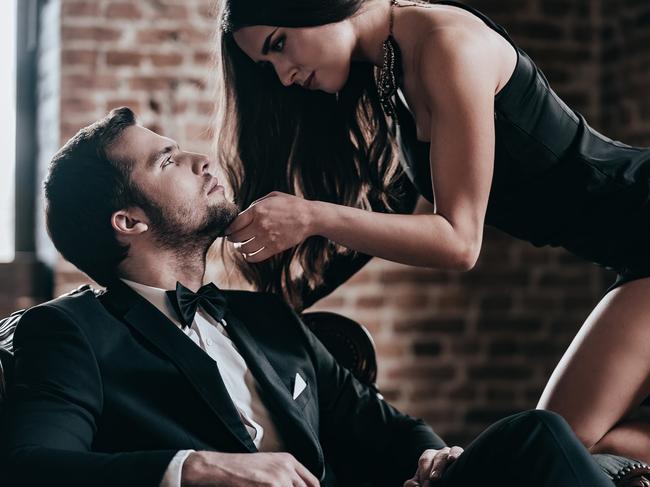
[(183, 200)]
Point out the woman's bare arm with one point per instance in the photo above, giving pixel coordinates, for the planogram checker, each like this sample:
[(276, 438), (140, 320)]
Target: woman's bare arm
[(459, 76)]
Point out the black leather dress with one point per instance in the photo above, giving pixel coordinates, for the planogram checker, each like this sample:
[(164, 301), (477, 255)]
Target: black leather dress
[(556, 180)]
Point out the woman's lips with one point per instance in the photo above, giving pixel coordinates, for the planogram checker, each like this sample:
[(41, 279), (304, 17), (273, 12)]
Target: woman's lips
[(309, 81)]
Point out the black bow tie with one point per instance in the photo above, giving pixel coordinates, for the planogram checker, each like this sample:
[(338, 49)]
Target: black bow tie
[(185, 302)]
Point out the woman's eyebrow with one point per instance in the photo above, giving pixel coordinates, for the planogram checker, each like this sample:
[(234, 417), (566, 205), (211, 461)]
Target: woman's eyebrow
[(267, 42)]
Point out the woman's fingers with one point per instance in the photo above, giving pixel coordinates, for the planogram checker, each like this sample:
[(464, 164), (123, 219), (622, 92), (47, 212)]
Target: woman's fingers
[(270, 195), (250, 246), (244, 219), (242, 236), (259, 256)]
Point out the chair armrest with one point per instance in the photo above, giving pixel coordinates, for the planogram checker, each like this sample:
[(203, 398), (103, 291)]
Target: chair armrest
[(623, 471)]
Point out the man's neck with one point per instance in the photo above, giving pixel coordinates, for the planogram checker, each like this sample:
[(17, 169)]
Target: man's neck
[(163, 269)]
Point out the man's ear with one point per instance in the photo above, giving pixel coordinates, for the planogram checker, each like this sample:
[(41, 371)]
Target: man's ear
[(129, 222)]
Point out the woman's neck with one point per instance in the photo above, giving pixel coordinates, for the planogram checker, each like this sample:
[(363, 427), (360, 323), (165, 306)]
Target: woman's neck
[(372, 29)]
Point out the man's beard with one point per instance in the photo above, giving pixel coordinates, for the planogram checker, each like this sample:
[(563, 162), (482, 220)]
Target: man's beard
[(171, 230)]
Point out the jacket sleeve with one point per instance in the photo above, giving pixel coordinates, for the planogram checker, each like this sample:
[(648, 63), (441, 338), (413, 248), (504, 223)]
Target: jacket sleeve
[(55, 403), (363, 437)]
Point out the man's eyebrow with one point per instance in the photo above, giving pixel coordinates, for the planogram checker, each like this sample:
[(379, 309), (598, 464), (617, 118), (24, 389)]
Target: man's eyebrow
[(267, 42), (157, 155)]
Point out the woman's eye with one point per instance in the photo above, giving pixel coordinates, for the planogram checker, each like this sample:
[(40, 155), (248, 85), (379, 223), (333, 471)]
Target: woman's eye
[(167, 161), (278, 45)]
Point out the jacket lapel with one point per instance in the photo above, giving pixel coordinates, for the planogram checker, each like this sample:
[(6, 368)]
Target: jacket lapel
[(300, 436), (194, 363)]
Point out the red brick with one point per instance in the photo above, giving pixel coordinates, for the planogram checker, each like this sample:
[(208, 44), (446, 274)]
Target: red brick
[(123, 10), (170, 59), (77, 105), (73, 82), (193, 35), (205, 107), (76, 57), (429, 349), (86, 8), (438, 325), (414, 275), (370, 301), (332, 302), (171, 11), (180, 106), (429, 372), (498, 323), (69, 33), (152, 83), (410, 302), (391, 350), (203, 57), (123, 58), (504, 373), (208, 10), (158, 35)]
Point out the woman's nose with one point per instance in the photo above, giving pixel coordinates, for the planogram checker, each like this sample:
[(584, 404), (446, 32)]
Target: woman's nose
[(286, 73)]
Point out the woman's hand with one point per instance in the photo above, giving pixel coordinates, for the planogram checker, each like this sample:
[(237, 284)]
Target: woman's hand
[(432, 465), (271, 225)]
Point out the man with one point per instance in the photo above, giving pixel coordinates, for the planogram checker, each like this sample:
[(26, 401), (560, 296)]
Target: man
[(153, 384)]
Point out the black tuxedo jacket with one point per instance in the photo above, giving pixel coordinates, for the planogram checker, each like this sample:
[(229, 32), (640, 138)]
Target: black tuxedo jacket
[(107, 390)]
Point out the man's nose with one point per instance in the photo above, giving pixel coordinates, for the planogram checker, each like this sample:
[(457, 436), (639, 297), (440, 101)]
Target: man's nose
[(200, 163)]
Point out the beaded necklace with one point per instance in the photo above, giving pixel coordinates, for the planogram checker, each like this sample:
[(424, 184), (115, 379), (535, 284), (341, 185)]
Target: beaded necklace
[(389, 76)]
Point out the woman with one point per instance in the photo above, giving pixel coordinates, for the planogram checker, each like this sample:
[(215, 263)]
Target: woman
[(479, 127)]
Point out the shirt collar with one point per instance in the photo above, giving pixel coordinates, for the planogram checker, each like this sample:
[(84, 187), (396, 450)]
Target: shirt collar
[(157, 297)]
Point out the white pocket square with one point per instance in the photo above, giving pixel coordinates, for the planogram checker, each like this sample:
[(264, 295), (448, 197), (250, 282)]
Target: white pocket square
[(299, 385)]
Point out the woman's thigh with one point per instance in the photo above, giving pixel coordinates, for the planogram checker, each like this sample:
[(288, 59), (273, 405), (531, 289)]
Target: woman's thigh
[(605, 372)]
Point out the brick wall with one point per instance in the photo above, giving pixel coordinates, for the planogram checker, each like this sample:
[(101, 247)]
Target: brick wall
[(459, 350), (625, 77)]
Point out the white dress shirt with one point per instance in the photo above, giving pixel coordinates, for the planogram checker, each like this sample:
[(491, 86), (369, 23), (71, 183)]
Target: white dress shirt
[(212, 337)]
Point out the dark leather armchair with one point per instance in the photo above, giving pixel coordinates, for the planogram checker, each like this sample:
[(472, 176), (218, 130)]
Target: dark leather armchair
[(7, 328), (348, 341)]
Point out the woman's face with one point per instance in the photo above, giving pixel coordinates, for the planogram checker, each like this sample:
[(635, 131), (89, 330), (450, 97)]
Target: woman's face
[(316, 58)]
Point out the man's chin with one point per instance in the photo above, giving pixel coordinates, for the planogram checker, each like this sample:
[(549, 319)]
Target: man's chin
[(220, 216)]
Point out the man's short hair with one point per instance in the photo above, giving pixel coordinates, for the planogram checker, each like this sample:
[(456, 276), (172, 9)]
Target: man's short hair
[(83, 188)]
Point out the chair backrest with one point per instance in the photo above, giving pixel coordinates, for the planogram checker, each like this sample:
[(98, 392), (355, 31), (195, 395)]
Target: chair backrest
[(348, 341), (7, 328)]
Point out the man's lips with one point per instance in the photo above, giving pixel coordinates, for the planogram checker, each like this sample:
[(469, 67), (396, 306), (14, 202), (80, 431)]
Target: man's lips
[(215, 186)]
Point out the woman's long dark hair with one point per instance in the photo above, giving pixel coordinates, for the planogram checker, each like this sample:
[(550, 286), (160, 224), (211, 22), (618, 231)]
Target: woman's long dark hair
[(335, 148)]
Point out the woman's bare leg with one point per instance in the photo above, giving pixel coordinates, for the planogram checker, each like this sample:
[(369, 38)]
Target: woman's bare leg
[(629, 439), (605, 373)]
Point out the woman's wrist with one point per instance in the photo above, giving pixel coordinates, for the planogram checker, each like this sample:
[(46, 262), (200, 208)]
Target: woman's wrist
[(318, 216)]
